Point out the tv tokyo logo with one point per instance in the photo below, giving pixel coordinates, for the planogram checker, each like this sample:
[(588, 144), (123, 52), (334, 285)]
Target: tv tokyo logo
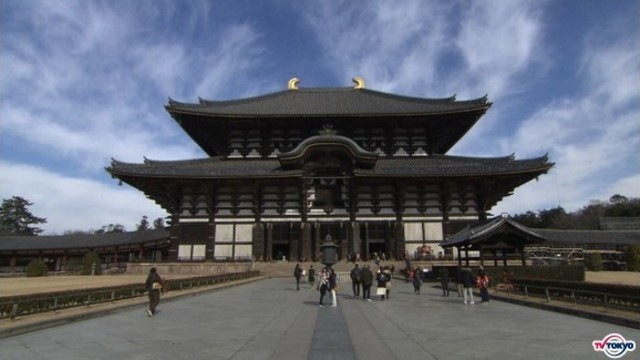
[(614, 345)]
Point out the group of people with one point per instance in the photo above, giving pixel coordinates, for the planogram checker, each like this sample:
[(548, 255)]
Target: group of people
[(328, 282), (362, 279), (466, 281)]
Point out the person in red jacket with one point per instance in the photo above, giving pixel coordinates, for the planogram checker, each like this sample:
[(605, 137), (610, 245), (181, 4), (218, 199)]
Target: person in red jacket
[(483, 284)]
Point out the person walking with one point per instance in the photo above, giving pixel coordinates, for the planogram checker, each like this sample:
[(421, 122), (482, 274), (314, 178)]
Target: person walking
[(297, 273), (389, 280), (355, 280), (333, 287), (312, 276), (154, 285), (417, 281), (459, 285), (483, 284), (323, 285), (366, 277), (444, 281), (383, 283), (467, 283)]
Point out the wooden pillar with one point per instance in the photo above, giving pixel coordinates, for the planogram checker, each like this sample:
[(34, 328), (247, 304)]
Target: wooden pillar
[(294, 248), (344, 240), (459, 256), (210, 249), (466, 255), (305, 238), (115, 258), (522, 255), (174, 236), (356, 243), (258, 248), (63, 266), (365, 250), (269, 242), (318, 240), (482, 207), (12, 263), (398, 235)]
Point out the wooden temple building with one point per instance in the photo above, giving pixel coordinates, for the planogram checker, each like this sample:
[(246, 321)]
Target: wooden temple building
[(286, 171)]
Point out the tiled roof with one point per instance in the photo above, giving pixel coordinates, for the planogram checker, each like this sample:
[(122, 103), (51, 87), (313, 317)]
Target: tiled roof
[(482, 230), (487, 228), (329, 102), (80, 241), (418, 166)]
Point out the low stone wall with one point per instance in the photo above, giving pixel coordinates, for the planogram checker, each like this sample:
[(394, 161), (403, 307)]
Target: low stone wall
[(189, 268)]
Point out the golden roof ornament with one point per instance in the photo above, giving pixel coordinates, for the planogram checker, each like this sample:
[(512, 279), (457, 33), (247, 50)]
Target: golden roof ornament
[(359, 82), (293, 83)]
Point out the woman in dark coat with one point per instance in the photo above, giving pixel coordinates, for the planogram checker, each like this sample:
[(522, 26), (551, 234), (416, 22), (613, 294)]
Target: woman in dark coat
[(154, 285)]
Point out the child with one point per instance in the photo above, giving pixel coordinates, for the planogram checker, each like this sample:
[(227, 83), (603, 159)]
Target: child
[(417, 282)]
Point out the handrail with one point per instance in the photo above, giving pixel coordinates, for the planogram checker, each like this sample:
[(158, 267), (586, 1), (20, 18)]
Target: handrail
[(32, 304), (596, 298)]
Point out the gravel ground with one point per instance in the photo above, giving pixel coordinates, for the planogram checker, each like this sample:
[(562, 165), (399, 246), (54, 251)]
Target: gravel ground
[(25, 286)]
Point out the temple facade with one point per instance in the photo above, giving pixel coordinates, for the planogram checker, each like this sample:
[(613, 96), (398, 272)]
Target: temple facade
[(286, 171)]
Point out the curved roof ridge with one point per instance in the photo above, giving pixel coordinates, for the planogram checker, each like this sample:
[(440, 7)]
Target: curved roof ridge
[(500, 159), (406, 98), (187, 161), (328, 137)]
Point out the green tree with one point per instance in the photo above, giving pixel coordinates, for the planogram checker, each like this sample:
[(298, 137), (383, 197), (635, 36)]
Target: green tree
[(111, 228), (556, 218), (593, 262), (143, 225), (36, 268), (626, 208), (632, 257), (588, 218), (528, 219), (618, 199), (90, 259), (16, 219), (158, 223)]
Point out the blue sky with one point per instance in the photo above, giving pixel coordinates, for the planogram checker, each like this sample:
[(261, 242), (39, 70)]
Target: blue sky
[(84, 81)]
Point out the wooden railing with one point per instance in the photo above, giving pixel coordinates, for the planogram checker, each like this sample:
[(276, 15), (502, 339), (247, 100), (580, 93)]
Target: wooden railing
[(629, 302), (11, 307)]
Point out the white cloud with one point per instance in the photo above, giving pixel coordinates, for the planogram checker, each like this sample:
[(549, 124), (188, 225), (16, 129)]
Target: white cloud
[(236, 51), (70, 203), (498, 41), (613, 70), (593, 139)]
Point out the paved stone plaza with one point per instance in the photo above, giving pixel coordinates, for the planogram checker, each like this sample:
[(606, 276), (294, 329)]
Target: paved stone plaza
[(269, 319)]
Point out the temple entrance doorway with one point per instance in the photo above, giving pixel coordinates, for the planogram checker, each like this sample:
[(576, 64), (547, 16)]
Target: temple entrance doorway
[(283, 237), (375, 237), (280, 252), (377, 249)]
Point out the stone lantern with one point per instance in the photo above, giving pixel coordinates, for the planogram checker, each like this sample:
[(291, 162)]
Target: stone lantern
[(329, 251)]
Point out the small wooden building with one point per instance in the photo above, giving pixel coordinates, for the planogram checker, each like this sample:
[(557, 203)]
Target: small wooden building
[(499, 239), (56, 251)]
